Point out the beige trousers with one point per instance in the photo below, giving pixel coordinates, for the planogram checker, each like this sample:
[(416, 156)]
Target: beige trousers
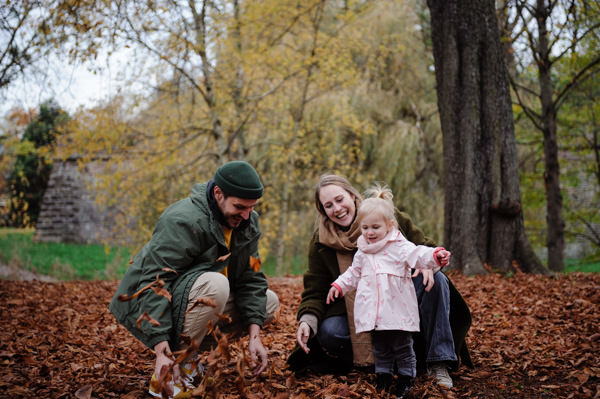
[(216, 286)]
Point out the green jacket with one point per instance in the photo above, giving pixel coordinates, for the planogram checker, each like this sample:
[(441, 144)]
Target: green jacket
[(189, 240)]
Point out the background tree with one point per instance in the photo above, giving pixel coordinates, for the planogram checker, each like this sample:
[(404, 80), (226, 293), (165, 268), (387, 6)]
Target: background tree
[(219, 70), (11, 130), (33, 165), (559, 38), (19, 40), (483, 214), (396, 98), (33, 33)]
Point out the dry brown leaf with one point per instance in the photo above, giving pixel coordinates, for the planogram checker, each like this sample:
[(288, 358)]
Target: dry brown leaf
[(206, 301), (84, 392), (223, 257), (148, 318)]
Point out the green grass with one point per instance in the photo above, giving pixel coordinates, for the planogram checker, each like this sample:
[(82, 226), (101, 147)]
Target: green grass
[(576, 265), (294, 266), (60, 260)]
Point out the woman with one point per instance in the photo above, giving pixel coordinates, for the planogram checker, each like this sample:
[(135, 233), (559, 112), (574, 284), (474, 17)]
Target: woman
[(326, 341)]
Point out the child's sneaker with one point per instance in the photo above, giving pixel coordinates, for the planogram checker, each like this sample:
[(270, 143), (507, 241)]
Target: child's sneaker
[(180, 390), (403, 385), (383, 381)]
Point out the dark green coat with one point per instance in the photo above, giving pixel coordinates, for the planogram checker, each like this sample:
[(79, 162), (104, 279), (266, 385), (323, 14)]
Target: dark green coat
[(188, 239), (323, 269)]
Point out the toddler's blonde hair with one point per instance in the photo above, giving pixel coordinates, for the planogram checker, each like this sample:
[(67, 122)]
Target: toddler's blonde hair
[(378, 199)]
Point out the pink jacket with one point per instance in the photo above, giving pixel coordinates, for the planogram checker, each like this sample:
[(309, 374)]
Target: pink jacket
[(380, 272)]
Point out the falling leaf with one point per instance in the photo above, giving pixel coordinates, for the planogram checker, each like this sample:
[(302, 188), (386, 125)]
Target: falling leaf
[(255, 263), (223, 346), (162, 292), (169, 270), (156, 283), (148, 318), (223, 257), (206, 301)]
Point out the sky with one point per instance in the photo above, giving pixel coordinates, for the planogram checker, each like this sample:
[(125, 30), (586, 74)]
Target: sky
[(71, 86)]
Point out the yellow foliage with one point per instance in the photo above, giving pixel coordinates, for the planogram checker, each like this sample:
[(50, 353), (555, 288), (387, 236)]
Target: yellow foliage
[(296, 88)]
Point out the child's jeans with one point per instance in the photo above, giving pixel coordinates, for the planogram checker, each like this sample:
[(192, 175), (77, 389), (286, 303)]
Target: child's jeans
[(394, 347)]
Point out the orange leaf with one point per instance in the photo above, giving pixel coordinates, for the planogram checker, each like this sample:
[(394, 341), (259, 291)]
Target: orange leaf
[(162, 292), (148, 318), (202, 301), (255, 263), (169, 270), (224, 257)]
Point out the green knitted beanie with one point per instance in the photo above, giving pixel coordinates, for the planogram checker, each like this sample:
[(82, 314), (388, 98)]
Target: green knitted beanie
[(239, 179)]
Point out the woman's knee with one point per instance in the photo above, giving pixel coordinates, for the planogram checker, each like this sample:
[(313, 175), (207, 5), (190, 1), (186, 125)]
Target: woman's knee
[(441, 281), (333, 330)]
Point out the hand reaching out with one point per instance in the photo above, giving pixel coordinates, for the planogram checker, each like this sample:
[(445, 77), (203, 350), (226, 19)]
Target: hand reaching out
[(333, 294), (258, 353), (302, 336), (443, 257)]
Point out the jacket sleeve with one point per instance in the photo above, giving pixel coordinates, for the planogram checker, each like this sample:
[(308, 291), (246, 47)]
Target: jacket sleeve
[(168, 254), (348, 281), (250, 295), (317, 282), (417, 256)]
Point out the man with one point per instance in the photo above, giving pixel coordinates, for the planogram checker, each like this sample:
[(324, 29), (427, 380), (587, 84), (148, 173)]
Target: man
[(204, 246)]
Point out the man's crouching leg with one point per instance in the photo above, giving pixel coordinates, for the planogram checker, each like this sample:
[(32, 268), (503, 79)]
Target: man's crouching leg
[(210, 285)]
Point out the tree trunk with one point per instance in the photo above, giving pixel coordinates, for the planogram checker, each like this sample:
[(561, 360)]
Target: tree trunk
[(555, 238), (483, 215)]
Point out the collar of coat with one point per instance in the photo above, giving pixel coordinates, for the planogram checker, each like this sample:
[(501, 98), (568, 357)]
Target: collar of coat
[(391, 236)]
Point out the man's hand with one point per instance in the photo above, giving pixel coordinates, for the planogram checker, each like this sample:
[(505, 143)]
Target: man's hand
[(257, 350), (164, 360), (428, 280), (302, 336)]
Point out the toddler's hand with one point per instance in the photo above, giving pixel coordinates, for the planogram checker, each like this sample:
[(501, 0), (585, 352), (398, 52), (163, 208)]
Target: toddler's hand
[(333, 293), (443, 257)]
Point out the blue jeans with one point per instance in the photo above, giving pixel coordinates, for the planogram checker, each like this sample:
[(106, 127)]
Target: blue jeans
[(434, 312), (394, 347), (334, 336)]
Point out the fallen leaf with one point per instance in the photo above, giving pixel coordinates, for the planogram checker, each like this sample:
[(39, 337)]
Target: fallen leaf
[(84, 392)]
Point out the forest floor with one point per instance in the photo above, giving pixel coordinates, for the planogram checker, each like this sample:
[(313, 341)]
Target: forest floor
[(531, 337)]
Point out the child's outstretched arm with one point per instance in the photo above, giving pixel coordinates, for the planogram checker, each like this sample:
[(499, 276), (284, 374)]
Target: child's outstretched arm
[(334, 292)]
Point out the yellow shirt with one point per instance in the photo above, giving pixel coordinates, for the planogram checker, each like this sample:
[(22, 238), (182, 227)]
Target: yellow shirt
[(227, 234)]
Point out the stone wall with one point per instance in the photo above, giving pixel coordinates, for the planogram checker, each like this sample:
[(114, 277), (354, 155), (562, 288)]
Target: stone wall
[(68, 213)]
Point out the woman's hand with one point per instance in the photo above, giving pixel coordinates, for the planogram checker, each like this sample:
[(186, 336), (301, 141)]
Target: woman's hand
[(302, 336)]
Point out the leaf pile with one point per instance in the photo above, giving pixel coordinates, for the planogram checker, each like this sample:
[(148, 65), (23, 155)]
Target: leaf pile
[(531, 337)]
